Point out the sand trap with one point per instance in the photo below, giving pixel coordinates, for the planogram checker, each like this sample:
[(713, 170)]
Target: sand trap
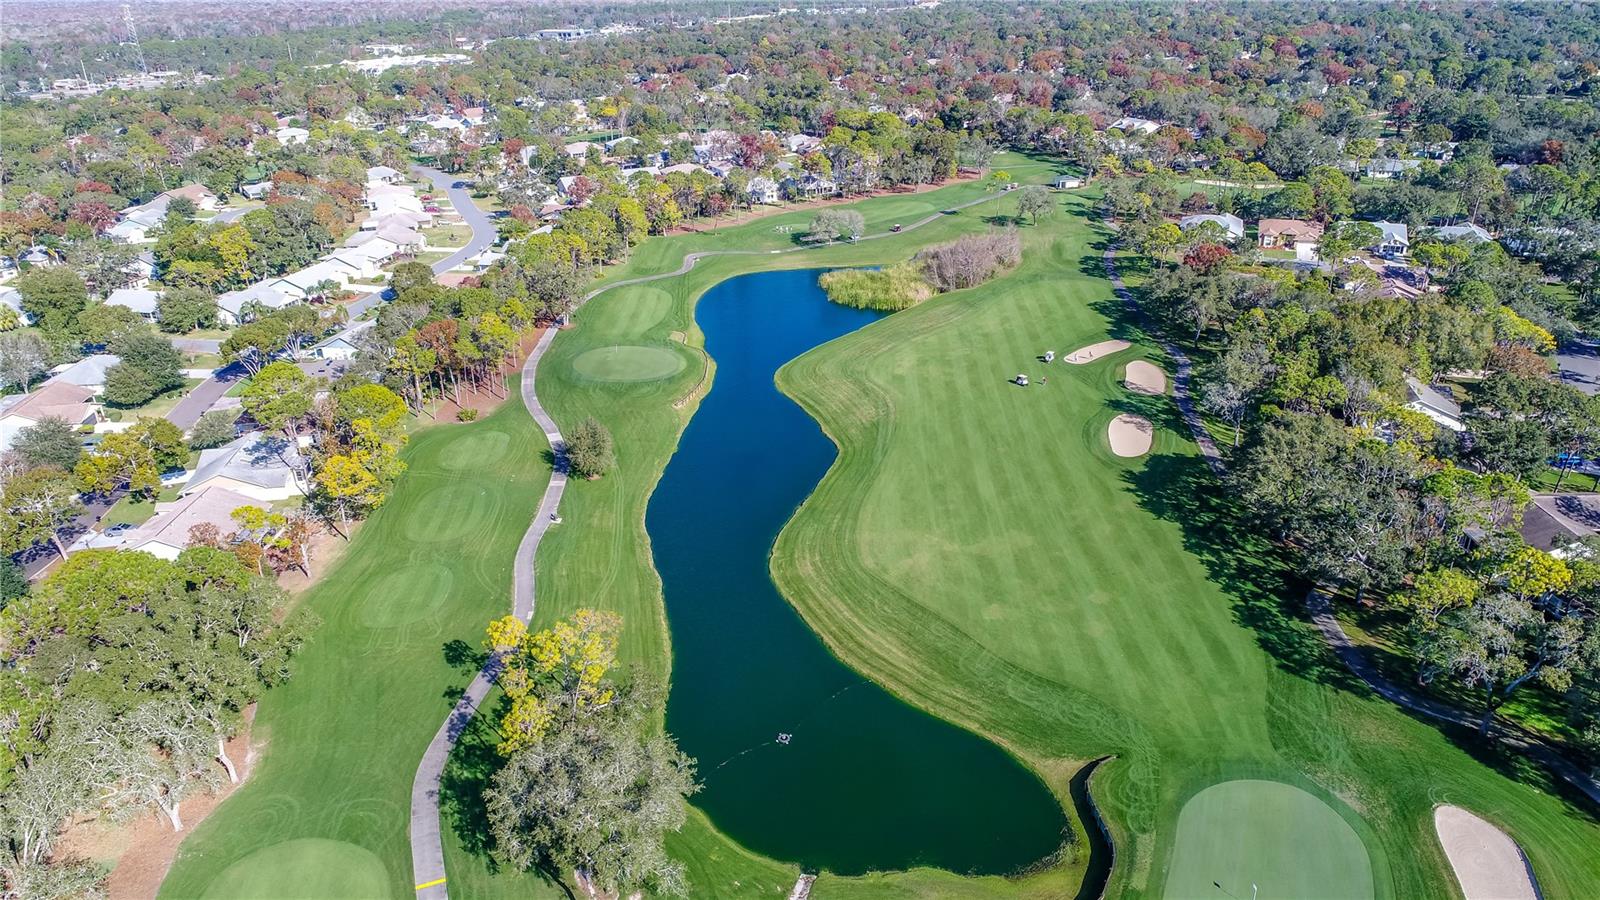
[(1145, 378), (1130, 435), (1487, 861), (1094, 351)]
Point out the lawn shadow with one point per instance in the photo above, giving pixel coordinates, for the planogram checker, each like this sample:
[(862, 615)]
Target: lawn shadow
[(1259, 583)]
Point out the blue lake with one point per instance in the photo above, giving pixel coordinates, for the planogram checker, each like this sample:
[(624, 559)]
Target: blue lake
[(863, 781)]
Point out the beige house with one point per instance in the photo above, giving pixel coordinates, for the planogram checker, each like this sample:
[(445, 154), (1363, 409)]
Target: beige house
[(54, 399), (1287, 234), (167, 533)]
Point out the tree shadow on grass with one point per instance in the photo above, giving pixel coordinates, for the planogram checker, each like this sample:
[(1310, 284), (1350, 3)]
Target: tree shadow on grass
[(1253, 573), (462, 809)]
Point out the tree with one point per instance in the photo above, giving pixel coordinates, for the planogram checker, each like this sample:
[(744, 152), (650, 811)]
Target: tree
[(833, 224), (120, 458), (183, 309), (254, 344), (213, 429), (1500, 643), (52, 442), (23, 358), (164, 440), (345, 487), (13, 581), (1034, 201), (53, 297), (103, 323), (279, 397), (582, 790), (149, 365), (408, 276), (588, 449), (37, 505)]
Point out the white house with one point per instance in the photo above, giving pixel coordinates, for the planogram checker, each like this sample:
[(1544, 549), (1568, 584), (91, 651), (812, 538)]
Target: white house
[(1433, 404), (1135, 125), (289, 136), (53, 399), (577, 149), (1387, 169), (763, 190), (379, 249), (138, 221), (258, 190), (257, 465), (142, 301), (303, 284), (1395, 240), (802, 143), (383, 175), (88, 373), (1067, 182), (342, 345), (361, 263), (1231, 224), (11, 297), (231, 306), (1468, 233)]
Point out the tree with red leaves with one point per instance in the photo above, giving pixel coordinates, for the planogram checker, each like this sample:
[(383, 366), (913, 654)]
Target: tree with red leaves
[(1207, 258)]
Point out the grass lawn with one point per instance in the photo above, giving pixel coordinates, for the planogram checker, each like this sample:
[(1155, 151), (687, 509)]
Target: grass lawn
[(158, 406), (447, 235), (402, 617), (129, 511), (976, 549), (1571, 483)]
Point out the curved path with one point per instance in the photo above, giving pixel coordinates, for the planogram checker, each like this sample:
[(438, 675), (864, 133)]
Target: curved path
[(1321, 609), (427, 846)]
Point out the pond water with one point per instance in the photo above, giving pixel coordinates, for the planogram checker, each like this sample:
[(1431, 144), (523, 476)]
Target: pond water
[(802, 759)]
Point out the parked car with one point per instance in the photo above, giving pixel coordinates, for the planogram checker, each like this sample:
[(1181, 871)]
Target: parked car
[(431, 208)]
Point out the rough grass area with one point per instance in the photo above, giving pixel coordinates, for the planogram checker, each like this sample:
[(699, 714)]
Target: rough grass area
[(402, 621), (896, 287)]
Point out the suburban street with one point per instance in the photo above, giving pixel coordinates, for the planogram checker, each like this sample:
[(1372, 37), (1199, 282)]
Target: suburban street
[(483, 230)]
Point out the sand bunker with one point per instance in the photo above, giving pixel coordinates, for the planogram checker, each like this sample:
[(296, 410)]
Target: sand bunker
[(1145, 378), (1095, 351), (1487, 861), (1130, 435)]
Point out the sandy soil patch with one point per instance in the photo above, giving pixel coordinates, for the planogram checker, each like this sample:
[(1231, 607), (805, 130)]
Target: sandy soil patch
[(1094, 351), (1130, 435), (141, 851), (1145, 378), (1488, 863)]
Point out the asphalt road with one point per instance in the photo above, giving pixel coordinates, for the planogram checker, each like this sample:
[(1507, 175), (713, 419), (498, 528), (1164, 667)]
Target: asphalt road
[(1579, 365), (483, 231)]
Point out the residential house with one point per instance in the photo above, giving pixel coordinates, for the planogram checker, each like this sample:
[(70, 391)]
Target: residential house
[(140, 270), (290, 136), (53, 399), (88, 373), (138, 221), (379, 250), (255, 464), (1288, 234), (763, 190), (1553, 521), (342, 345), (1232, 225), (1434, 404), (166, 534), (258, 190), (1135, 125), (142, 301), (198, 194), (810, 186), (384, 175), (1394, 241), (310, 282), (802, 144), (1386, 168), (1067, 182), (1468, 233), (235, 307), (363, 264), (12, 298), (578, 149)]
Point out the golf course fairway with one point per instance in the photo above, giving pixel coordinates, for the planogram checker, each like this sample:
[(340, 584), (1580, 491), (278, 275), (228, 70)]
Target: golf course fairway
[(975, 549)]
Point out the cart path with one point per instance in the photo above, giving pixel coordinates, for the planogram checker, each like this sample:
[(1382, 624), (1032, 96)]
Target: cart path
[(1319, 604), (427, 844)]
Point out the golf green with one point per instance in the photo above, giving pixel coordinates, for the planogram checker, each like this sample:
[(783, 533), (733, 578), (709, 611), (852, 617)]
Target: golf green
[(1265, 839), (628, 363), (307, 867)]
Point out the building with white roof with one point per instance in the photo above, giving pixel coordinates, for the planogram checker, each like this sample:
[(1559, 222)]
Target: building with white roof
[(88, 373), (140, 300), (232, 306), (1233, 225)]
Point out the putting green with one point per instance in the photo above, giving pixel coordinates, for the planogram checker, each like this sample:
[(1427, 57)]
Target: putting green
[(406, 594), (306, 867), (1273, 836), (628, 362)]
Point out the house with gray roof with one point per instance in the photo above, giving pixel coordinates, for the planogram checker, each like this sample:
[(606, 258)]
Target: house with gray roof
[(1434, 404), (140, 300), (258, 465), (89, 372), (231, 306), (1231, 224)]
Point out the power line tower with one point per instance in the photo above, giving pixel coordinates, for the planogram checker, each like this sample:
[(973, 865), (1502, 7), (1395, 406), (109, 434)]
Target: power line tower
[(133, 35)]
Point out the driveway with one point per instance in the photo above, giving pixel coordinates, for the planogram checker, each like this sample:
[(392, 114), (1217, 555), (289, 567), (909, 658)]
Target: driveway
[(196, 402)]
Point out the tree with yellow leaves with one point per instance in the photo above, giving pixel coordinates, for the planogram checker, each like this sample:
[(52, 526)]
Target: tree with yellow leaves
[(558, 671)]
